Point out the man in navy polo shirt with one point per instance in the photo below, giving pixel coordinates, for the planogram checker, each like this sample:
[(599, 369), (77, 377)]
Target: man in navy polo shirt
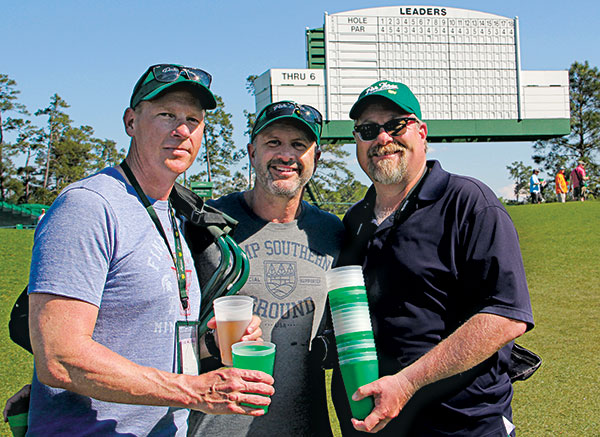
[(445, 278)]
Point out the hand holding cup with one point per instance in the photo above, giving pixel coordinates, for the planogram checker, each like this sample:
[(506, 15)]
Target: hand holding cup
[(231, 391)]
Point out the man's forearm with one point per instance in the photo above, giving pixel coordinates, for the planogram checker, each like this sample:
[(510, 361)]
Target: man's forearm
[(98, 372), (472, 343), (67, 357)]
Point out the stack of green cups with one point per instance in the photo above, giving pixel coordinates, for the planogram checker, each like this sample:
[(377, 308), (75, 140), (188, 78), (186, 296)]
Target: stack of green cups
[(353, 333)]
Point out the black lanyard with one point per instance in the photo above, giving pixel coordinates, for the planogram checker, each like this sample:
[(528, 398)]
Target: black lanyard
[(178, 257)]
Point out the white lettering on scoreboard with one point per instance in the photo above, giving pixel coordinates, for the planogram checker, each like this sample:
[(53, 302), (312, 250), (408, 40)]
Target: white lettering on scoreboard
[(461, 64)]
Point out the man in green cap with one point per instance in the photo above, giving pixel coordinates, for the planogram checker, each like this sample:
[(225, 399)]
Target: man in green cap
[(445, 282), (113, 289), (290, 245)]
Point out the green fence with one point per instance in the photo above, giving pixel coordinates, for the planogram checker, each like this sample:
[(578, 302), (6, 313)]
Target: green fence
[(23, 216)]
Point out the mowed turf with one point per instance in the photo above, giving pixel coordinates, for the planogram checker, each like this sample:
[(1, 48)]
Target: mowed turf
[(17, 365), (561, 251)]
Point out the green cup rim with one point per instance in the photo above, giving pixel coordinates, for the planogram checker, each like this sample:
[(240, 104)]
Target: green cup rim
[(364, 354), (354, 336), (368, 345), (356, 361), (348, 289), (270, 348)]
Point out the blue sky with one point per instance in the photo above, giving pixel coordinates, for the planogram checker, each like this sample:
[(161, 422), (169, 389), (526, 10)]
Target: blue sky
[(92, 52)]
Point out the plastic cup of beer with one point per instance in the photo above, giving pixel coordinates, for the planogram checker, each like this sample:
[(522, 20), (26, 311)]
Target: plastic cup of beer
[(254, 355), (233, 315)]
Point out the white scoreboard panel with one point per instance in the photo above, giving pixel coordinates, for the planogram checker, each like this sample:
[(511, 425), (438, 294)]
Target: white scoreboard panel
[(461, 64)]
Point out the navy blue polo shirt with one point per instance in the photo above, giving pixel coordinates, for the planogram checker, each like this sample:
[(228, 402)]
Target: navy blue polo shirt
[(453, 253)]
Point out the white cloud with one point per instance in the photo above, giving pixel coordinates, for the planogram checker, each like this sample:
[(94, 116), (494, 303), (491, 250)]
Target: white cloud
[(507, 192)]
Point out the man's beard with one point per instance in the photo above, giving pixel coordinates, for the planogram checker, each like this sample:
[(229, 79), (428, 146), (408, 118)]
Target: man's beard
[(387, 171), (266, 180)]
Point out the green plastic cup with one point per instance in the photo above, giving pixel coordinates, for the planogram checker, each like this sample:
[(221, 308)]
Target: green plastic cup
[(353, 344), (343, 293), (360, 335), (346, 306), (18, 424), (356, 373), (254, 355), (357, 352)]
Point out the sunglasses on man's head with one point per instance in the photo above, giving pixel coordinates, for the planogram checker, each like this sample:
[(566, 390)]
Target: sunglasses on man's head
[(305, 112), (167, 73), (170, 73), (394, 127)]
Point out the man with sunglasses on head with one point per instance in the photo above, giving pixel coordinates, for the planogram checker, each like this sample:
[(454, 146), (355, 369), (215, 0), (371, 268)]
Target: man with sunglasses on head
[(113, 289), (445, 281), (290, 245)]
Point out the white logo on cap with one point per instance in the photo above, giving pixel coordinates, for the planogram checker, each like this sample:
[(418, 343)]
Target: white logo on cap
[(280, 105), (381, 87)]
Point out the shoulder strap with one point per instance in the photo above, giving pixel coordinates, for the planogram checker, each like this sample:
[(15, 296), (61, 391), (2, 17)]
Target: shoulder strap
[(189, 205)]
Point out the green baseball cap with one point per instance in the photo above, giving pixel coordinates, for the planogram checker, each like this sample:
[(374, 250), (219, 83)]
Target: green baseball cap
[(397, 92), (158, 78), (305, 115)]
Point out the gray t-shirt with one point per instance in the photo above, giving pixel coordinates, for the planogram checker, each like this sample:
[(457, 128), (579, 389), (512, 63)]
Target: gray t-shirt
[(98, 244), (288, 262)]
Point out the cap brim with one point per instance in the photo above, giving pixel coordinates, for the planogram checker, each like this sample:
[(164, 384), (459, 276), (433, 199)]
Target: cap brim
[(206, 97), (300, 122)]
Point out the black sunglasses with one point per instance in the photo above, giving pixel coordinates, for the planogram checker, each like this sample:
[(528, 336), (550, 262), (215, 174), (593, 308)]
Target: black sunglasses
[(305, 112), (167, 73), (394, 127)]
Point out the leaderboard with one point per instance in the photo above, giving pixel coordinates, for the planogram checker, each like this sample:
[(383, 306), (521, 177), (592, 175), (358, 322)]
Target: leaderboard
[(461, 64)]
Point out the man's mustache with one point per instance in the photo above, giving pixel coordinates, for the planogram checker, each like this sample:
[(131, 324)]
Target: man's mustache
[(290, 163), (387, 149)]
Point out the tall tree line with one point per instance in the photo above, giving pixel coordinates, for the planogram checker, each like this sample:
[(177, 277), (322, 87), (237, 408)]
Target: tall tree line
[(46, 152), (581, 144), (51, 153), (41, 154)]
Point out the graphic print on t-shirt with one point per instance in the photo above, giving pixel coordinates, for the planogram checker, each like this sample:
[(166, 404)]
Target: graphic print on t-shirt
[(286, 281), (281, 278)]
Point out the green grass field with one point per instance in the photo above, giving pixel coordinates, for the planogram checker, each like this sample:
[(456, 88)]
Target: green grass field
[(560, 245)]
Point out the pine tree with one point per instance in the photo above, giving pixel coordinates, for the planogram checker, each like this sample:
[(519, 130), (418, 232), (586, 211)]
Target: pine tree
[(583, 143), (58, 123), (219, 152), (8, 103)]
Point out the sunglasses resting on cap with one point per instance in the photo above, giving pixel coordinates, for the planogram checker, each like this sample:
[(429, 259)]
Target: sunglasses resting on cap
[(306, 114), (160, 77)]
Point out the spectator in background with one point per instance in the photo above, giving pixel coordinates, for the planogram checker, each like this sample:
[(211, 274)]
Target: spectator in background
[(41, 216), (578, 181), (535, 187), (561, 185)]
